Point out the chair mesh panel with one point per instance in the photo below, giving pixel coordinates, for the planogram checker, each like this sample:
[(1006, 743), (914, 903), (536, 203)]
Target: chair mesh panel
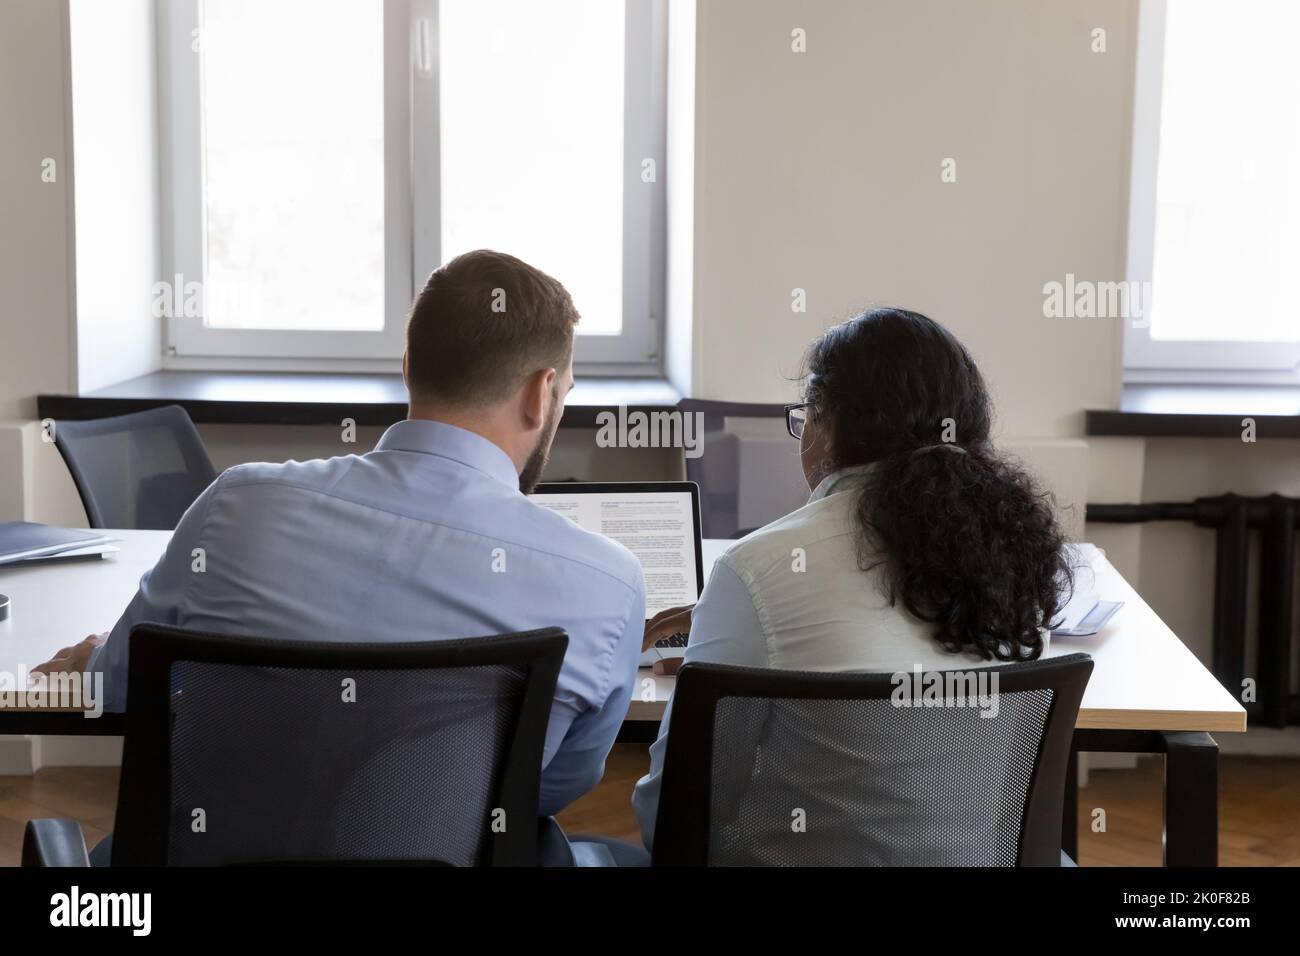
[(878, 784), (286, 770), (137, 476)]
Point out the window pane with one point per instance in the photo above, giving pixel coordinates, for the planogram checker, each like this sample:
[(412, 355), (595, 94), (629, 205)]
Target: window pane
[(1227, 208), (531, 101), (293, 144)]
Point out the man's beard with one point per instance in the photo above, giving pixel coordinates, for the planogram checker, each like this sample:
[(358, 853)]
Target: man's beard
[(536, 464)]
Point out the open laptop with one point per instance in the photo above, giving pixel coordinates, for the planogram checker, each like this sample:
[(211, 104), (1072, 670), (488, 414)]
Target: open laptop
[(659, 522)]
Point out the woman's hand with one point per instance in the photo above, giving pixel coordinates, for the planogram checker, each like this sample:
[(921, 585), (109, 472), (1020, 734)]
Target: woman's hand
[(669, 621)]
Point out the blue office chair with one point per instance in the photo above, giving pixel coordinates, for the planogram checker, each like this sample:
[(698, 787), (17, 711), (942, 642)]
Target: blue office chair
[(136, 471), (784, 768), (252, 751)]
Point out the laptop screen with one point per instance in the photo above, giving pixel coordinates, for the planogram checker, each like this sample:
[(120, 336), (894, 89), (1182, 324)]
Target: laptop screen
[(657, 524)]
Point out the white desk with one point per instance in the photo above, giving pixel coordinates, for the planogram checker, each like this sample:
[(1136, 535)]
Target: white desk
[(1148, 693), (1143, 678), (55, 604)]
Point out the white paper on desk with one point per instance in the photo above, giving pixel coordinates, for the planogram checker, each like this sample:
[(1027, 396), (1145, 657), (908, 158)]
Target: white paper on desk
[(94, 550), (1082, 598), (1080, 603)]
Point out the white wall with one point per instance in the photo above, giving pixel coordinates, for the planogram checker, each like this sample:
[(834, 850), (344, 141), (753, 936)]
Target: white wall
[(105, 267), (821, 171), (35, 233), (116, 159), (35, 243), (35, 252)]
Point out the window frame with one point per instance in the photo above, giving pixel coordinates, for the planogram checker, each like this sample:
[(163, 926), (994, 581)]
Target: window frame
[(412, 225), (1148, 360)]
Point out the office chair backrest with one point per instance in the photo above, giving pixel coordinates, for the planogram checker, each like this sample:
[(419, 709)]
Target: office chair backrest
[(768, 767), (136, 471), (247, 750), (749, 472)]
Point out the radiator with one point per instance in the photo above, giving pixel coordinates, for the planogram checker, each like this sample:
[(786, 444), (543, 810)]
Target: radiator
[(1232, 517)]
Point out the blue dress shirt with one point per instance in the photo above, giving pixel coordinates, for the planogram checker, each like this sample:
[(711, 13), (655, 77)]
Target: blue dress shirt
[(426, 537)]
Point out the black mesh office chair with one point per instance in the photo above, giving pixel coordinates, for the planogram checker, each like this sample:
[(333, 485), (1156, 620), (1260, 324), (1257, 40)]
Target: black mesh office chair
[(769, 767), (252, 751), (136, 471), (749, 472)]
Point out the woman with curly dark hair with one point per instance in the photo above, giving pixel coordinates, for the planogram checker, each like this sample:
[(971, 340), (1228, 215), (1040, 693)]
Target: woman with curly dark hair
[(920, 546), (962, 538)]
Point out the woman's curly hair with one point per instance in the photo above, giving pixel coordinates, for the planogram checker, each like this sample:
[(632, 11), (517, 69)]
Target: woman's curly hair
[(966, 539)]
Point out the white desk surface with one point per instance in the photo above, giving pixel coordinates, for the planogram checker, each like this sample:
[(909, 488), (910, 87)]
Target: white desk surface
[(1144, 678)]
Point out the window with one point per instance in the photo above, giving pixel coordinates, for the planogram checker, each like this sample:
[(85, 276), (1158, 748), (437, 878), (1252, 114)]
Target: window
[(1214, 225), (321, 159)]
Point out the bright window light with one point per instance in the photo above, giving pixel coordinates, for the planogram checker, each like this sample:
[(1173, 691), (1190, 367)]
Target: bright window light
[(293, 163), (1227, 236), (532, 141)]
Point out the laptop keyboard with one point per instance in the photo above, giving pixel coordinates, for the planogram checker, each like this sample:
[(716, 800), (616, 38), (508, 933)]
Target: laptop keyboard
[(673, 640)]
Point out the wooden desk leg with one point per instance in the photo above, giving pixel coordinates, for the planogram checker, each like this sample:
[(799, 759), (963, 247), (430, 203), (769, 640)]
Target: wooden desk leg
[(1070, 807), (1191, 799)]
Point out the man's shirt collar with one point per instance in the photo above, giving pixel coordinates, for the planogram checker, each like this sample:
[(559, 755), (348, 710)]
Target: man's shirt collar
[(426, 437)]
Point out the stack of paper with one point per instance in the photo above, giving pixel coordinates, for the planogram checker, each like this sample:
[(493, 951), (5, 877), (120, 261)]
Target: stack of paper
[(27, 541)]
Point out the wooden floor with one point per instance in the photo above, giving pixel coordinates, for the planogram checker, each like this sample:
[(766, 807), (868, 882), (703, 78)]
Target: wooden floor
[(1259, 808)]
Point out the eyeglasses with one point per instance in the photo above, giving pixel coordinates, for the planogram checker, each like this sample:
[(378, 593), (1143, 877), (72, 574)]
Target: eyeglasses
[(795, 417)]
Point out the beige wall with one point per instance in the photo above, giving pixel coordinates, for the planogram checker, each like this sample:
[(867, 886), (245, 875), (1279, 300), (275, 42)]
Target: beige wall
[(39, 248), (821, 171), (36, 345), (35, 268)]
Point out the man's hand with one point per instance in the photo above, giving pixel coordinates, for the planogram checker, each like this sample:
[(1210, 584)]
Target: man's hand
[(670, 621), (72, 660)]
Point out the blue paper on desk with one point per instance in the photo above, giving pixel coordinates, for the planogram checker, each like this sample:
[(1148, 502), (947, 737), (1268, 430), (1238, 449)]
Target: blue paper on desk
[(1084, 615), (26, 540)]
